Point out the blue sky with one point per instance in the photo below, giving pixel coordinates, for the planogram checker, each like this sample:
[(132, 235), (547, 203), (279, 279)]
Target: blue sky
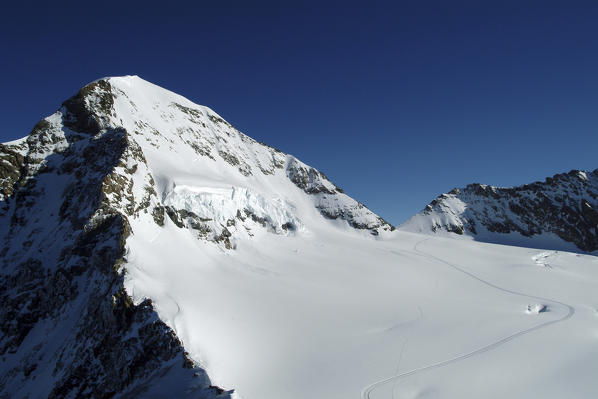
[(396, 102)]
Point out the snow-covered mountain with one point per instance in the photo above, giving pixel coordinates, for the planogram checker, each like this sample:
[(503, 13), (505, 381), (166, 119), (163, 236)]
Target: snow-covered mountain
[(120, 154), (149, 249), (559, 213)]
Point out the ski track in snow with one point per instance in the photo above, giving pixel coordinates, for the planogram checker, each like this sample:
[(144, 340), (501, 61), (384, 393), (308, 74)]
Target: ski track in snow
[(366, 392), (408, 322)]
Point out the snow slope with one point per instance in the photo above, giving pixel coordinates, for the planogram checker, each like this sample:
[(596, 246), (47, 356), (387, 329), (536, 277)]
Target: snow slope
[(332, 315), (559, 213), (185, 143), (278, 285)]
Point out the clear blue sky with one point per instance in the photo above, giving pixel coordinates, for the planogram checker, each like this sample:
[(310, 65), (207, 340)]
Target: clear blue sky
[(396, 102)]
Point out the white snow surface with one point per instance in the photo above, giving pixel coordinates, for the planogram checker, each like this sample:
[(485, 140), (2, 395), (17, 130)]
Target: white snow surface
[(336, 315), (330, 311)]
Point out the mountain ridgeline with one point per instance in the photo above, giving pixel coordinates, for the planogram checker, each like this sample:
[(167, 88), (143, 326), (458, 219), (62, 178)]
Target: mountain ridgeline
[(560, 212)]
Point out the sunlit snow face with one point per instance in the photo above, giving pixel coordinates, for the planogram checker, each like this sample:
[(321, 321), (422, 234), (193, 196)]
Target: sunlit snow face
[(220, 204)]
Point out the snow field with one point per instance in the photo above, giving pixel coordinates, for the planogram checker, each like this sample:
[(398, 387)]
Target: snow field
[(332, 312)]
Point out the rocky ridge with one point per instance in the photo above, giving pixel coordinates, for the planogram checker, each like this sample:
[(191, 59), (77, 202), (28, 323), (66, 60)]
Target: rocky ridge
[(564, 206)]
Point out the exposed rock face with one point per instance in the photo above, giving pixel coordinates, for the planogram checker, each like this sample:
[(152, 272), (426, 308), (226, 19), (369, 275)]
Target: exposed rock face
[(67, 326), (332, 202), (11, 165), (565, 205)]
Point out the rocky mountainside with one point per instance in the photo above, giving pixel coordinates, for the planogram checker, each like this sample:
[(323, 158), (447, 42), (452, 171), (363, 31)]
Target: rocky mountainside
[(119, 156), (559, 213)]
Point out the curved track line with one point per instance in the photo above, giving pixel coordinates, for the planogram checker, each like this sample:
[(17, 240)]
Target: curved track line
[(365, 393), (408, 322)]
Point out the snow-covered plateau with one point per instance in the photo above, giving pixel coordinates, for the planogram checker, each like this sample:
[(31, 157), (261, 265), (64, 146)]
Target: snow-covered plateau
[(149, 249)]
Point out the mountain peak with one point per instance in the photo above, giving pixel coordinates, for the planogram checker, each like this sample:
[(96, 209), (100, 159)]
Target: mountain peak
[(175, 138)]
